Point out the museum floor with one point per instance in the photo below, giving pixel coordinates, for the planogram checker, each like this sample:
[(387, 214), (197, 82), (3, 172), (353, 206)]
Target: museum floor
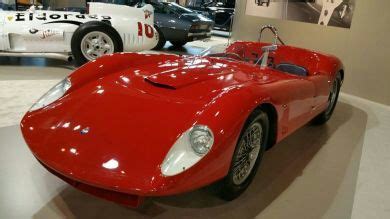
[(339, 170)]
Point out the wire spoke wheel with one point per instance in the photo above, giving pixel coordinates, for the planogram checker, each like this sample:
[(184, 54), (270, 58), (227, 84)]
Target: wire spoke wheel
[(247, 156), (96, 44), (334, 91), (248, 151)]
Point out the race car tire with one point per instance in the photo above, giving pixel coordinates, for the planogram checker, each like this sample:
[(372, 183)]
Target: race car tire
[(161, 39), (333, 98), (237, 181), (91, 30), (178, 44)]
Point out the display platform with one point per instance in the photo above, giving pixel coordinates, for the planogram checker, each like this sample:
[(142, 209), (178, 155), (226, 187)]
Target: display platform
[(307, 169)]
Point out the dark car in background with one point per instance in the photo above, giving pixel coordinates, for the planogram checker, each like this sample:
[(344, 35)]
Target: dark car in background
[(6, 6), (73, 9), (220, 11), (174, 23), (179, 25)]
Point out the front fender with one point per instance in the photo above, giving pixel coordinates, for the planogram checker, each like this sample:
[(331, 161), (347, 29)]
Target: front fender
[(226, 115), (106, 65)]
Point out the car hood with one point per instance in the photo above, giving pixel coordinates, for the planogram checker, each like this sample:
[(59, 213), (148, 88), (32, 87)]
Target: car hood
[(159, 75), (115, 126), (181, 73)]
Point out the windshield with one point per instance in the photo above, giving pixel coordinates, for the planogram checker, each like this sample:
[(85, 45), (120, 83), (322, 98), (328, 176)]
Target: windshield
[(236, 52), (226, 51), (179, 9), (210, 3), (217, 49), (168, 8)]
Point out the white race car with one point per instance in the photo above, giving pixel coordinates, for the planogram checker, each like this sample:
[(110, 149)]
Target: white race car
[(106, 29)]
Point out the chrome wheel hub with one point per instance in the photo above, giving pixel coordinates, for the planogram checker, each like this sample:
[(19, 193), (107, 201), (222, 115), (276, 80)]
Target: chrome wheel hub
[(252, 155), (96, 44), (332, 97), (248, 152)]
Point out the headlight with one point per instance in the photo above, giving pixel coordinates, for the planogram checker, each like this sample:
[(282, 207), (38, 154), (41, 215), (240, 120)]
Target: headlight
[(52, 95), (188, 150), (201, 139)]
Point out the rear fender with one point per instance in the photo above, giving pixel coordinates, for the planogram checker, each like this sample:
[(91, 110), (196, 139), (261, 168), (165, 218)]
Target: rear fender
[(330, 65)]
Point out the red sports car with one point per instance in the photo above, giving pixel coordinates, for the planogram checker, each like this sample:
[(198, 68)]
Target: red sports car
[(129, 126)]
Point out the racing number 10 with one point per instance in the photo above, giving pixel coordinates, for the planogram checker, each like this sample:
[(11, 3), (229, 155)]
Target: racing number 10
[(149, 32)]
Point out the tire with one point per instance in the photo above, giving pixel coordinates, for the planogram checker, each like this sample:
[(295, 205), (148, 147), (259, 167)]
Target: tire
[(178, 44), (161, 40), (88, 31), (231, 186), (333, 98)]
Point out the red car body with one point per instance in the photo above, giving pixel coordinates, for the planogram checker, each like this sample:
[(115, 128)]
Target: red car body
[(135, 106)]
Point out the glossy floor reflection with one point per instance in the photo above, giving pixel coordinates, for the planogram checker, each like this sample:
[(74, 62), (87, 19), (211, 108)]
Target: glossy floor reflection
[(316, 168)]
